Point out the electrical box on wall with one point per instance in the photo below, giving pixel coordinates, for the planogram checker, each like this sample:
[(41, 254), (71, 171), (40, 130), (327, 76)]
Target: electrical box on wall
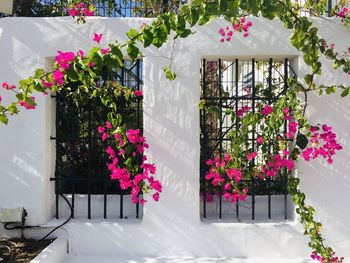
[(12, 215)]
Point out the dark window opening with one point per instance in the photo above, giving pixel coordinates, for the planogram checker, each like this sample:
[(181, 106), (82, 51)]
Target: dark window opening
[(230, 85), (81, 161)]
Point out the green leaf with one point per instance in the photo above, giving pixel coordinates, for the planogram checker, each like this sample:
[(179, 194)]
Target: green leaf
[(96, 57), (116, 54), (132, 50), (132, 33), (345, 92), (147, 37), (302, 141), (168, 74), (186, 33), (331, 89), (201, 104), (4, 119), (194, 16)]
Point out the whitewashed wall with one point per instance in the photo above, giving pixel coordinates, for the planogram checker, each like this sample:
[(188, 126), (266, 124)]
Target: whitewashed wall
[(171, 227)]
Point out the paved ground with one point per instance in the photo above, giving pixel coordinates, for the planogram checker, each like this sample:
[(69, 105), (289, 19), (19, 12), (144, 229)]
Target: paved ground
[(111, 259)]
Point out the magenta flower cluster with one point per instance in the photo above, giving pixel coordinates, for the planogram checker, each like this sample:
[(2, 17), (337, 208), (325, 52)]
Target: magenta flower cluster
[(238, 25), (22, 103), (130, 146), (225, 179), (80, 9), (323, 143), (314, 255)]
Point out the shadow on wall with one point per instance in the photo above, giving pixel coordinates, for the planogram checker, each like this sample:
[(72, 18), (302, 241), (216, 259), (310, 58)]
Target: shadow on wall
[(328, 186)]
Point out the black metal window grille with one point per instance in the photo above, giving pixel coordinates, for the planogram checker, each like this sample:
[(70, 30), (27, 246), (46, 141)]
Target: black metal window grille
[(231, 85), (119, 8), (81, 161), (116, 8)]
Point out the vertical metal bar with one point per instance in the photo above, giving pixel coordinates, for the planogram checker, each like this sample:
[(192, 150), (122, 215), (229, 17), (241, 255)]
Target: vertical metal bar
[(73, 191), (58, 110), (220, 130), (285, 130), (269, 197), (121, 205), (253, 198), (253, 136), (237, 120), (270, 81), (220, 105), (204, 87), (269, 99), (329, 7), (89, 159), (286, 75), (220, 205), (104, 199), (57, 201), (138, 208)]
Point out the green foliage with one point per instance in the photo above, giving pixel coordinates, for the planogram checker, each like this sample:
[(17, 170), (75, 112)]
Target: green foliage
[(169, 75)]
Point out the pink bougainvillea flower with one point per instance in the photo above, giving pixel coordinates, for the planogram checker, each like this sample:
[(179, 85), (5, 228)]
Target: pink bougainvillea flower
[(5, 85), (249, 24), (134, 199), (100, 129), (0, 99), (97, 38), (81, 54), (236, 27), (133, 135), (266, 110), (108, 125), (142, 201), (104, 51), (260, 140), (104, 136), (209, 162), (73, 12), (155, 197), (91, 64), (240, 113), (26, 104), (46, 84), (110, 152), (138, 93), (251, 156), (227, 157), (58, 77), (63, 59), (326, 128), (88, 12)]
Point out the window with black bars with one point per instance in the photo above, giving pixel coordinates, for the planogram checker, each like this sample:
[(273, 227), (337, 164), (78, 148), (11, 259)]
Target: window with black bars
[(232, 85), (81, 162), (111, 8)]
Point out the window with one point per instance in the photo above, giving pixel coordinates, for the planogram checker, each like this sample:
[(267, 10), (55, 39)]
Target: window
[(81, 161), (230, 85)]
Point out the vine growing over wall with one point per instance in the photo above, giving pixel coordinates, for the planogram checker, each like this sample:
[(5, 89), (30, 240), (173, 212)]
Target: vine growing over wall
[(84, 70)]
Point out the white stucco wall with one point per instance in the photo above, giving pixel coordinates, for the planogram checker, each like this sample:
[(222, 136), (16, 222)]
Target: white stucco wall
[(171, 227)]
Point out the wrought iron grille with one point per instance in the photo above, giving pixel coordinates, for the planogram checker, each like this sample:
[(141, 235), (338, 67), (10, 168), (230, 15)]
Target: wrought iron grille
[(81, 162), (110, 8), (231, 85)]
